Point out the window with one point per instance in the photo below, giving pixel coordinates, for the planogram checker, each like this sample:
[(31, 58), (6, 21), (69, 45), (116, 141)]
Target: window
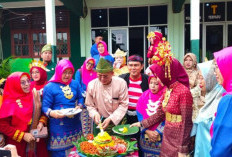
[(101, 32), (118, 17), (138, 16), (133, 24), (99, 18), (28, 34), (158, 14), (229, 11), (21, 42)]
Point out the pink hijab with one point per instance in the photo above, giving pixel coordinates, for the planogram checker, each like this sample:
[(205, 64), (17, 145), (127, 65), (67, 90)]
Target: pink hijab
[(177, 73), (144, 100), (105, 53), (60, 68), (224, 62), (88, 75)]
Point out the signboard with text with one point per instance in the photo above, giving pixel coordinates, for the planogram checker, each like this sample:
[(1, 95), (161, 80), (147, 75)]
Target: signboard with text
[(214, 12)]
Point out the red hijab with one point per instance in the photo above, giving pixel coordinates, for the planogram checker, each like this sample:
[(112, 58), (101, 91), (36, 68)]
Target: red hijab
[(177, 73), (10, 107), (42, 81)]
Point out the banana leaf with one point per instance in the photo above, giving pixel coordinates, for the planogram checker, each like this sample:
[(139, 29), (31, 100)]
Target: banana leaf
[(130, 148), (131, 130)]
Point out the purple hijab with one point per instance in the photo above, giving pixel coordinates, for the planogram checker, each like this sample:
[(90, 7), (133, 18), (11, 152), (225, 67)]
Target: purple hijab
[(177, 73), (142, 105), (88, 75), (60, 68), (105, 53), (224, 62)]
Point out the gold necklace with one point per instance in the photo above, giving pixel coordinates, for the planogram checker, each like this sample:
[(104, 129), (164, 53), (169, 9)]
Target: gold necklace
[(166, 97)]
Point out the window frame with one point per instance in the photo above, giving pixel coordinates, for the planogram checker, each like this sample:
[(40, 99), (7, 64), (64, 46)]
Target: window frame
[(29, 31)]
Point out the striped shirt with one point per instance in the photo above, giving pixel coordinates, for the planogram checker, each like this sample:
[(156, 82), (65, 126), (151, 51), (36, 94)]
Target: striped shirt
[(134, 92)]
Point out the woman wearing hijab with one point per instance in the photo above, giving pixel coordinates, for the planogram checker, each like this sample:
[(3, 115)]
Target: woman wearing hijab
[(190, 65), (39, 77), (84, 75), (60, 93), (201, 127), (103, 53), (176, 106), (17, 115), (147, 106), (222, 126)]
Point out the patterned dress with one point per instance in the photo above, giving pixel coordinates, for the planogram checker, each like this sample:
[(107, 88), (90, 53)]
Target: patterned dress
[(66, 130), (176, 135)]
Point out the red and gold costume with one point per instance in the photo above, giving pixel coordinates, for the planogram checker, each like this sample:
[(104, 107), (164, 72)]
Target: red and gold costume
[(176, 106), (16, 114)]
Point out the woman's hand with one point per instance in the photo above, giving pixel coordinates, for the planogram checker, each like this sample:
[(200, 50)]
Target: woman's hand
[(12, 149), (28, 137), (56, 114), (182, 154), (40, 126), (137, 124), (153, 135)]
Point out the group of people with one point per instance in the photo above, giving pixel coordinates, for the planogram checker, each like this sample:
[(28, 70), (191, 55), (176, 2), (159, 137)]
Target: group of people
[(179, 108)]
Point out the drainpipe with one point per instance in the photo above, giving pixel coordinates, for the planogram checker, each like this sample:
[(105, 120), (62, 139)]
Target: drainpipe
[(195, 27), (51, 26)]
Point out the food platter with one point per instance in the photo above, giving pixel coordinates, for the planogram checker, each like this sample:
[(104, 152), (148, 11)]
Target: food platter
[(125, 129), (104, 145)]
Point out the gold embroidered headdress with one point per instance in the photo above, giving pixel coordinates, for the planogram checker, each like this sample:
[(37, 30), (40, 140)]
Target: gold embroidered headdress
[(39, 64), (163, 56)]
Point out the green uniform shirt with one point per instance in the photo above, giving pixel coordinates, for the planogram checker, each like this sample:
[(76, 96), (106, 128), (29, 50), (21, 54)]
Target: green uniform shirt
[(51, 66)]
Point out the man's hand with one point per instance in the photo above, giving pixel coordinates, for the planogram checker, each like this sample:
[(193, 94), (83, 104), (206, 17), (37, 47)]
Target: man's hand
[(28, 137), (56, 114), (106, 123), (97, 118)]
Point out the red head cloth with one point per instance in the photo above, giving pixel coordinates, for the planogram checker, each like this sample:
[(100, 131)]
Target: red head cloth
[(60, 68), (177, 73), (88, 75), (13, 96), (157, 37), (105, 53), (224, 62), (43, 78)]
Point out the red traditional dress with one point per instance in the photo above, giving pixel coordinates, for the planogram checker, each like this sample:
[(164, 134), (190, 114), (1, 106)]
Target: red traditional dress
[(39, 85), (176, 109), (16, 114)]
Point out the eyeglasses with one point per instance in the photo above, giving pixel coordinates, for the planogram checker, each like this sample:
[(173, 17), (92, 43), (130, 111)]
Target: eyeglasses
[(24, 83), (68, 73), (88, 63), (34, 73)]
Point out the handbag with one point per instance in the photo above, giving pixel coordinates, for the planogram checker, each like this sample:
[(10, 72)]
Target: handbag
[(40, 134)]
